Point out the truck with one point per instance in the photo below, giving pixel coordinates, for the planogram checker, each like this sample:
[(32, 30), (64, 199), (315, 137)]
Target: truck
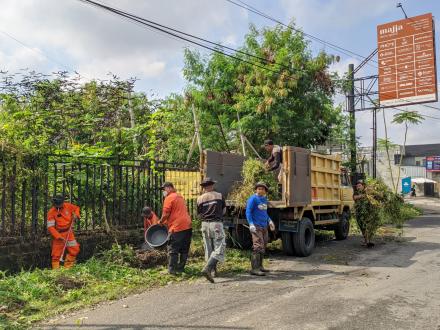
[(315, 194)]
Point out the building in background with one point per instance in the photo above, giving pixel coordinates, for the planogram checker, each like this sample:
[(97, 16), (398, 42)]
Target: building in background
[(420, 162)]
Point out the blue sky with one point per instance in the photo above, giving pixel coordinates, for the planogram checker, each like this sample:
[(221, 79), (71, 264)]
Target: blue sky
[(69, 35)]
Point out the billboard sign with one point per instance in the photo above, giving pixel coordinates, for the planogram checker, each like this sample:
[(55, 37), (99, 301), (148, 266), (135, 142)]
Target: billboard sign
[(433, 164), (406, 55)]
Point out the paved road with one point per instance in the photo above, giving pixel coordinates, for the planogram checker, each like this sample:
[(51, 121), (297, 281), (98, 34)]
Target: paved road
[(396, 285), (429, 205)]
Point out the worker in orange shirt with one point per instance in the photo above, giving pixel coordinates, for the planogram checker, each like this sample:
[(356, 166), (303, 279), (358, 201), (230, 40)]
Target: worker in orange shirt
[(150, 218), (175, 215), (60, 221)]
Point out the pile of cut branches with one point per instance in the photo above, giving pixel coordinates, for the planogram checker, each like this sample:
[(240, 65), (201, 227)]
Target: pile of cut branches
[(378, 206), (253, 171)]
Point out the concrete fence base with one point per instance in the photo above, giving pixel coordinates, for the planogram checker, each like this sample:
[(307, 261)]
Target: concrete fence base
[(17, 254)]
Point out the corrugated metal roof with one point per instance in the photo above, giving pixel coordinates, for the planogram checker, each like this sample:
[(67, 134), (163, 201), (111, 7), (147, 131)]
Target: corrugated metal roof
[(422, 150)]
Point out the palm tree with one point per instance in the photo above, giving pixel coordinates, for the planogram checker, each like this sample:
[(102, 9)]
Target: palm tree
[(407, 118), (387, 145)]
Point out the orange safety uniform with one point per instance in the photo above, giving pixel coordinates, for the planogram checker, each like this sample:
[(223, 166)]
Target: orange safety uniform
[(153, 220), (179, 219), (59, 222)]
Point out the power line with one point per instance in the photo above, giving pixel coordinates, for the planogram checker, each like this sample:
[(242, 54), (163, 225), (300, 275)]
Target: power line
[(178, 34), (411, 102), (256, 11), (187, 37), (36, 50), (402, 110)]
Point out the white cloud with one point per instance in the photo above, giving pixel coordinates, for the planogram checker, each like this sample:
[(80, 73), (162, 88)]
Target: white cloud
[(94, 42), (124, 69), (21, 58), (424, 133)]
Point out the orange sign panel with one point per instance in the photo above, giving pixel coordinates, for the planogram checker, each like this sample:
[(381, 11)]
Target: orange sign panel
[(406, 54)]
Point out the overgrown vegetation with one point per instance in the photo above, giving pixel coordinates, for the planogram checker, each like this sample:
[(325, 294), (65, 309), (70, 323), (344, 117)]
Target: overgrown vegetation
[(292, 103), (31, 296), (253, 172), (379, 206)]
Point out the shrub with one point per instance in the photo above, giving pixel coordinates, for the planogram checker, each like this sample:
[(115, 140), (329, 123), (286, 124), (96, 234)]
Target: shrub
[(381, 206)]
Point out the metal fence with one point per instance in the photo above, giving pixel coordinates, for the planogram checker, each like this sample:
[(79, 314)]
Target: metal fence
[(108, 190)]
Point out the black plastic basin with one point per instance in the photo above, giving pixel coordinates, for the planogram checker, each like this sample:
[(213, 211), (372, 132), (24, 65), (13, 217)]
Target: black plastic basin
[(156, 236)]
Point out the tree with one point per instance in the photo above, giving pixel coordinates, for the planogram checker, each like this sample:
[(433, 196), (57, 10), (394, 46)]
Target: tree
[(386, 144), (59, 114), (292, 105), (407, 118)]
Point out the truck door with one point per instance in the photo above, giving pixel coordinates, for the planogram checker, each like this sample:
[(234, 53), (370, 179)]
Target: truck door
[(297, 184), (224, 168), (346, 189)]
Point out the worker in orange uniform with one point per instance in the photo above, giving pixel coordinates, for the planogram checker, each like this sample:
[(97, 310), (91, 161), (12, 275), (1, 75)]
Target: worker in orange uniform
[(175, 215), (60, 221), (150, 218)]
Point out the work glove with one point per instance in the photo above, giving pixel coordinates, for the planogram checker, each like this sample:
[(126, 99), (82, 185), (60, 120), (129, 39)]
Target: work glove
[(271, 225), (252, 229)]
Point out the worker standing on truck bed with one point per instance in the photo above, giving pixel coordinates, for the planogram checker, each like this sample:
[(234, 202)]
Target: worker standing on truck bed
[(275, 161), (211, 207), (259, 220), (60, 221), (175, 215)]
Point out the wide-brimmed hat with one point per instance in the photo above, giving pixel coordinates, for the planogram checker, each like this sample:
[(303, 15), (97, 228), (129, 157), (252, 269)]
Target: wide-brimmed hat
[(261, 184), (207, 182), (166, 184)]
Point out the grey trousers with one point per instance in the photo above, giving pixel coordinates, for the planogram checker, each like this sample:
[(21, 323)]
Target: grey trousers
[(214, 240)]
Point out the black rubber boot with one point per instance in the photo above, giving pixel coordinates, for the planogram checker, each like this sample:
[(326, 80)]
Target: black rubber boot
[(183, 257), (214, 272), (172, 263), (207, 271), (255, 263), (264, 270)]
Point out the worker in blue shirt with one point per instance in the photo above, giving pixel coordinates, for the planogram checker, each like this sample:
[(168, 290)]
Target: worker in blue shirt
[(259, 220)]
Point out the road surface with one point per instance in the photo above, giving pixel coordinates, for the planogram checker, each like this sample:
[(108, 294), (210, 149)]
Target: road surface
[(342, 285)]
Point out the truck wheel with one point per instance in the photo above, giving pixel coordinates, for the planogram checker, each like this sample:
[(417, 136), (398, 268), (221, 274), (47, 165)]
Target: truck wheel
[(343, 227), (241, 237), (304, 239), (287, 243)]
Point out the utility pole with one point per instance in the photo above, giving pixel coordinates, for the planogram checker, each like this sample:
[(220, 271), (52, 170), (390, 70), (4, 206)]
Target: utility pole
[(351, 110), (374, 156)]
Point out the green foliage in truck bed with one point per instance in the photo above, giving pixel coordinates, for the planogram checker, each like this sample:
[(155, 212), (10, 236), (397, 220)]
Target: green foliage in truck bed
[(253, 171)]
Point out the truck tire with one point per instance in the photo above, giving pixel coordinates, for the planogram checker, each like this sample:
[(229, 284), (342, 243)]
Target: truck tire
[(241, 237), (343, 227), (304, 239), (287, 243)]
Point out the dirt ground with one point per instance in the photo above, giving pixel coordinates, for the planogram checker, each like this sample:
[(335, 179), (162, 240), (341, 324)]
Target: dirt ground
[(395, 285)]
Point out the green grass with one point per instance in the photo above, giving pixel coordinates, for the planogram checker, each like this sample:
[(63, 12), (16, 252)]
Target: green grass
[(32, 296)]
